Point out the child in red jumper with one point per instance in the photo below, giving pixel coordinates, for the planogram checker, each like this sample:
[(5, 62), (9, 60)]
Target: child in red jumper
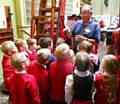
[(8, 48), (107, 81), (22, 86), (32, 45), (58, 72), (39, 71)]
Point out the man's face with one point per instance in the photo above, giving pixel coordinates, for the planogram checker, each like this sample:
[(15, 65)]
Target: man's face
[(86, 15)]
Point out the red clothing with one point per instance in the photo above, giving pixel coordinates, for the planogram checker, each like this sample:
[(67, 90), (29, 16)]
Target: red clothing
[(82, 102), (102, 89), (23, 89), (58, 72), (8, 70), (32, 55), (41, 75), (118, 57)]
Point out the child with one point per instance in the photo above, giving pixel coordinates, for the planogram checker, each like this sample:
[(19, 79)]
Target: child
[(23, 47), (86, 46), (22, 86), (32, 45), (46, 42), (59, 41), (39, 71), (78, 87), (58, 72), (107, 81), (8, 48)]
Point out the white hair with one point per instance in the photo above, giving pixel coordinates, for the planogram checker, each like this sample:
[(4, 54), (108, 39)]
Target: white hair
[(87, 7)]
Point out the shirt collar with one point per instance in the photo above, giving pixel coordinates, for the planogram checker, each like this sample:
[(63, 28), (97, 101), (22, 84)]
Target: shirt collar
[(20, 72), (81, 73)]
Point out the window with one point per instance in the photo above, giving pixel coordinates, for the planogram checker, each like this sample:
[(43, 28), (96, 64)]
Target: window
[(28, 4)]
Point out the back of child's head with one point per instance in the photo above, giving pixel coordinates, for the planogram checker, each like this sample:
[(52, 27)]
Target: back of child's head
[(110, 64), (85, 46), (21, 44), (82, 61), (45, 42), (59, 41), (43, 55), (62, 51), (32, 43), (17, 61), (110, 49), (8, 48)]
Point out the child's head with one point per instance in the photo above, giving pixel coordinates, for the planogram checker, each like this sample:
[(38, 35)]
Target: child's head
[(110, 64), (59, 41), (32, 44), (85, 46), (46, 42), (43, 55), (21, 45), (62, 51), (19, 61), (82, 61), (110, 49), (8, 48)]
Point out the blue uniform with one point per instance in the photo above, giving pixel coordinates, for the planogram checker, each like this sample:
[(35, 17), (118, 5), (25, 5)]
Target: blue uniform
[(91, 30)]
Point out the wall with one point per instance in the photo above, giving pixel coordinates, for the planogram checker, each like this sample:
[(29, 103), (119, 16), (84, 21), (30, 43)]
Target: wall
[(100, 9)]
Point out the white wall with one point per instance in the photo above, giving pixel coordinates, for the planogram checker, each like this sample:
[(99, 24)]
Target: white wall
[(100, 9)]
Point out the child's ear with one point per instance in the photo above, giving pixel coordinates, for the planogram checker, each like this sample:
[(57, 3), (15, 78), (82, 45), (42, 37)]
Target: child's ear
[(23, 65)]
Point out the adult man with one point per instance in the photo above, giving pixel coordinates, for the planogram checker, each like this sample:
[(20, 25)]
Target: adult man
[(86, 29)]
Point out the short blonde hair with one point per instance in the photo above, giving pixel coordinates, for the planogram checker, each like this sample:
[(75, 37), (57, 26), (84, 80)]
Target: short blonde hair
[(43, 55), (21, 43), (85, 46), (82, 61), (110, 64), (17, 60), (7, 45), (62, 51)]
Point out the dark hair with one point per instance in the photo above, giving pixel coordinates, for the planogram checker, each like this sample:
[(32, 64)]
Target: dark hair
[(44, 42), (82, 61)]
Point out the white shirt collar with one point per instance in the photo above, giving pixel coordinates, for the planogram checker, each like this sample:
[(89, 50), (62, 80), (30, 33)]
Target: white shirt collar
[(81, 73), (20, 72)]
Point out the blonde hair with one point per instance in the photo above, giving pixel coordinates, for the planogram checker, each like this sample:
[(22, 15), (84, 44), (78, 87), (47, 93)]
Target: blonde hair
[(21, 43), (17, 60), (43, 55), (7, 45), (85, 46), (62, 51), (82, 61), (110, 64)]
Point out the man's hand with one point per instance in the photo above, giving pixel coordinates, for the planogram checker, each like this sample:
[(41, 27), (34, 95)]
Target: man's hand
[(80, 38)]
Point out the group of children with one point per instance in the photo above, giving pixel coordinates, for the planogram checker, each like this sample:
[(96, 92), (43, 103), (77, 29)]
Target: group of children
[(42, 75)]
